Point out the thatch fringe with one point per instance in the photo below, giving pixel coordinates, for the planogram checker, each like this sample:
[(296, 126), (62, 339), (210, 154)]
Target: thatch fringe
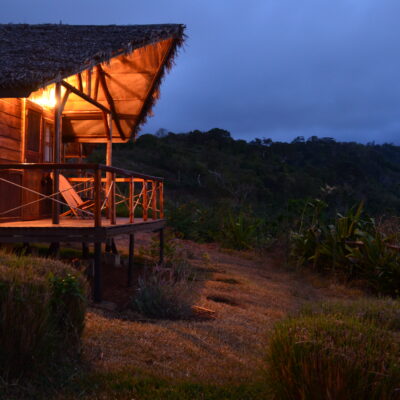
[(34, 56), (152, 99)]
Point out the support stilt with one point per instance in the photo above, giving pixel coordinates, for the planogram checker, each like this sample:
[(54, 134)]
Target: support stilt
[(114, 249), (85, 251), (26, 249), (131, 258), (54, 250), (108, 245), (97, 284), (111, 247), (161, 246)]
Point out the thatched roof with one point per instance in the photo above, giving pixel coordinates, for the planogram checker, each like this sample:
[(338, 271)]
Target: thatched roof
[(33, 56), (135, 59)]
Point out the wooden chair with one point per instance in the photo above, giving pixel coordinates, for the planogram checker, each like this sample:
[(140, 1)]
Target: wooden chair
[(73, 199)]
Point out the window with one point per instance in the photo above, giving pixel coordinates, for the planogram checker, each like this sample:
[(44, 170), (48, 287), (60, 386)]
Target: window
[(48, 142), (33, 137)]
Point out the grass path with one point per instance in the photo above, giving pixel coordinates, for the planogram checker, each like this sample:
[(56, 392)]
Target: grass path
[(251, 293)]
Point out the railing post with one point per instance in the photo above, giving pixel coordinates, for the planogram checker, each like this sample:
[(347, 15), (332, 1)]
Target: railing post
[(109, 175), (154, 199), (55, 206), (131, 258), (131, 200), (57, 154), (161, 194), (98, 278), (161, 259), (97, 197), (145, 202), (112, 203)]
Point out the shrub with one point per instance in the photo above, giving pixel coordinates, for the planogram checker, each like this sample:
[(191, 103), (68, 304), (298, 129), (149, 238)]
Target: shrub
[(384, 312), (339, 351), (239, 232), (165, 293), (175, 256), (42, 310), (351, 246)]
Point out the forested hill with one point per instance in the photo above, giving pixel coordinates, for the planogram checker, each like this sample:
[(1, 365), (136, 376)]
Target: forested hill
[(211, 167)]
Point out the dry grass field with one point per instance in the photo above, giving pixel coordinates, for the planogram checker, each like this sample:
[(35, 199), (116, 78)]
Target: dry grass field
[(248, 294)]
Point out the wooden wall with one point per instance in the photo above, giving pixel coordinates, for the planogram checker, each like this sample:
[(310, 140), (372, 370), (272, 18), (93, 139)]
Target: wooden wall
[(10, 151), (10, 130)]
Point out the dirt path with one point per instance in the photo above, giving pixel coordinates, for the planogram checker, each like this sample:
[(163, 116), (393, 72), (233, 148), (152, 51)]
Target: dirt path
[(255, 293)]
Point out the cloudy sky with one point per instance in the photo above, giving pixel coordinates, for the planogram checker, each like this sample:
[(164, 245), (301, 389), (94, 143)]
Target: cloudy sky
[(263, 68)]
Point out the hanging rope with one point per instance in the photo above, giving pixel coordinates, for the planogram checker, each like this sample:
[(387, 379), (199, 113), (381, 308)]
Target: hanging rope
[(108, 193), (49, 197)]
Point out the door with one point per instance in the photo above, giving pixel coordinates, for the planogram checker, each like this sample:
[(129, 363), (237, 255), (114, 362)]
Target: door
[(12, 199), (32, 179), (47, 156)]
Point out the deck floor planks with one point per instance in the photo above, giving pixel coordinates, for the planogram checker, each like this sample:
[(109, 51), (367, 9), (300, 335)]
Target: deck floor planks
[(70, 229)]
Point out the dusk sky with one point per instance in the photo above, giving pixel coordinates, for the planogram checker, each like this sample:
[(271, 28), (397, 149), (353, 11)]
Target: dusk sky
[(263, 68)]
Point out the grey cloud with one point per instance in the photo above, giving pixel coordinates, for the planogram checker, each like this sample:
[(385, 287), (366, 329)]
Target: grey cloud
[(264, 67)]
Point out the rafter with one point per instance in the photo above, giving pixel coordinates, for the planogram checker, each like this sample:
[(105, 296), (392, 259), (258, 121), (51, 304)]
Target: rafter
[(106, 126), (94, 115), (96, 86), (80, 84), (64, 100), (89, 82), (85, 97), (110, 101)]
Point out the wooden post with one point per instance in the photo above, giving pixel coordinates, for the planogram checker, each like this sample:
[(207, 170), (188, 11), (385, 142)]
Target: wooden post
[(89, 82), (161, 194), (85, 251), (109, 175), (131, 258), (57, 154), (98, 281), (97, 197), (154, 199), (112, 198), (131, 200), (161, 246), (54, 250), (24, 129), (144, 201)]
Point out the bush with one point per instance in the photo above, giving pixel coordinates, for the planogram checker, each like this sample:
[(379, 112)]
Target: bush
[(339, 351), (239, 232), (384, 313), (165, 293), (351, 246), (42, 311)]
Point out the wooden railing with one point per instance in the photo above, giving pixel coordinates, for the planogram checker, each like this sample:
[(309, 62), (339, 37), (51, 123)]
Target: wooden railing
[(104, 187)]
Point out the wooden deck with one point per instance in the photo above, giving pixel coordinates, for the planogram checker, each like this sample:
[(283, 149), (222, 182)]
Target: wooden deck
[(73, 230)]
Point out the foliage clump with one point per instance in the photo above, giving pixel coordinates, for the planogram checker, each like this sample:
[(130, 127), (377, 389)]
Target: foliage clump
[(211, 176), (162, 295), (42, 311), (337, 351), (167, 290), (352, 246)]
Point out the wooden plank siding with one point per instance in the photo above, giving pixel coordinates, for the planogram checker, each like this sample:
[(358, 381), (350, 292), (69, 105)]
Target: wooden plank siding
[(10, 151), (10, 130)]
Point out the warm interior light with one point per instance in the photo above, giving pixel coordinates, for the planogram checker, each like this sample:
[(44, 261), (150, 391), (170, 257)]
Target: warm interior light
[(45, 97)]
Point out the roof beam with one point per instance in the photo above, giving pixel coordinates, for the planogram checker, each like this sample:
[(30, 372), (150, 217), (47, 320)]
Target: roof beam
[(96, 86), (80, 83), (85, 97), (110, 101), (106, 125), (89, 82), (64, 100), (94, 115)]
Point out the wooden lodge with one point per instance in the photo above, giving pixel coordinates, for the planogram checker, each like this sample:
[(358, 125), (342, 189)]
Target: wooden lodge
[(65, 89)]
